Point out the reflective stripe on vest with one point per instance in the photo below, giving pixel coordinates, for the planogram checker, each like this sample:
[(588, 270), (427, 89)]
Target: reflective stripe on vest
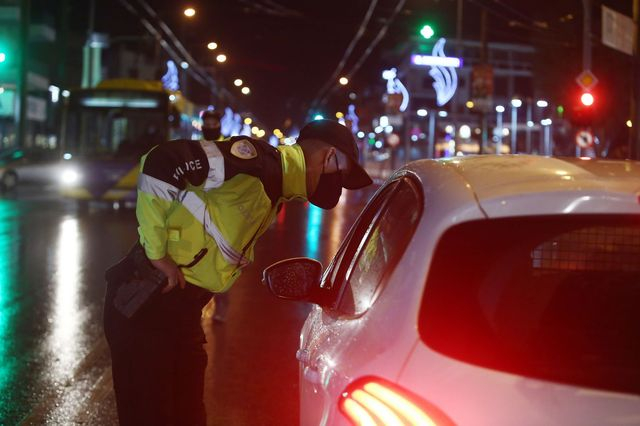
[(197, 208)]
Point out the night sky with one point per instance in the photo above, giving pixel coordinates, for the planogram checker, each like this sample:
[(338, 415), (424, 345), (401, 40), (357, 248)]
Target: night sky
[(286, 50)]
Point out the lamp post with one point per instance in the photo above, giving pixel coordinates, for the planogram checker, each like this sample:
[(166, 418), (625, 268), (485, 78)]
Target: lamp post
[(515, 104), (541, 103), (546, 124), (499, 111)]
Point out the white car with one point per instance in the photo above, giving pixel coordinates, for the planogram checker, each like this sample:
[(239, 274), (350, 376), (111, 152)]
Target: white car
[(487, 290)]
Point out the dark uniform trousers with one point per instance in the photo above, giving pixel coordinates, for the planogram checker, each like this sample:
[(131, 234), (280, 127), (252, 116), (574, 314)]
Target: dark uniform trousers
[(158, 358)]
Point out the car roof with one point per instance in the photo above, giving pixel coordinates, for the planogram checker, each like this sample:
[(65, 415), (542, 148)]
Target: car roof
[(514, 185)]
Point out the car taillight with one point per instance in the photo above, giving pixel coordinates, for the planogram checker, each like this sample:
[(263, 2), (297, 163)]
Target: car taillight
[(373, 401)]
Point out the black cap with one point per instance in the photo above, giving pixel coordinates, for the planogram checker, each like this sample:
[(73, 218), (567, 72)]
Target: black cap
[(337, 135)]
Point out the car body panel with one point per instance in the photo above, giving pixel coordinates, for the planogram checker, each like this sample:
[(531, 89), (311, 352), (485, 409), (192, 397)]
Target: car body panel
[(336, 345), (503, 397), (384, 341)]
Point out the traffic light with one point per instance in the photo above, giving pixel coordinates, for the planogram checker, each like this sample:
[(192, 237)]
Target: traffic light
[(3, 57), (587, 99), (583, 108), (427, 31)]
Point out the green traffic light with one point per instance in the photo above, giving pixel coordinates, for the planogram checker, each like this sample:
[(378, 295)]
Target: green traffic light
[(427, 32), (3, 57)]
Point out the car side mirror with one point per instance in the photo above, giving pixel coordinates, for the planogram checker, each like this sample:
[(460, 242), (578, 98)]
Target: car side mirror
[(293, 279)]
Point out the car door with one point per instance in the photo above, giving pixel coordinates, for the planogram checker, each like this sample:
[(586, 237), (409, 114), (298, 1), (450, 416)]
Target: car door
[(355, 278)]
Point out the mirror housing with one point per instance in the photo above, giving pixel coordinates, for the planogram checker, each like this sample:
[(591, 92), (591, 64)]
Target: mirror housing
[(297, 278)]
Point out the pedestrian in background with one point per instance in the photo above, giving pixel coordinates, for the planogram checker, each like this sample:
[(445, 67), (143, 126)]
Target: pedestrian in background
[(201, 207)]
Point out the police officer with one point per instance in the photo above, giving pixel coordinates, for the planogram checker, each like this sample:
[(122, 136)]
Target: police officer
[(204, 204)]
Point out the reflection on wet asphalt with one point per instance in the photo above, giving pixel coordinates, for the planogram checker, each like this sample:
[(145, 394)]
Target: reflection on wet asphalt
[(54, 361)]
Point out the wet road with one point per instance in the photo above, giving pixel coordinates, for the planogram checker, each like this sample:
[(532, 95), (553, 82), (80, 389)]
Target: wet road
[(54, 361)]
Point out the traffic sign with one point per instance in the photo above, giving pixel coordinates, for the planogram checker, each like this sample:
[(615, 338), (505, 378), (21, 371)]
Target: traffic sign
[(584, 139), (617, 30), (586, 80)]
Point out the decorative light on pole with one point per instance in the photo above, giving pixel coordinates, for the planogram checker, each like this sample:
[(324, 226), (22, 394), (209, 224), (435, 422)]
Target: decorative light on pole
[(515, 104), (237, 82), (245, 90), (212, 45), (221, 58), (343, 81), (189, 12), (499, 133)]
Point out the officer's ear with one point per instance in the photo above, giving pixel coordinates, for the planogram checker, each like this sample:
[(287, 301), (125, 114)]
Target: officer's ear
[(328, 161)]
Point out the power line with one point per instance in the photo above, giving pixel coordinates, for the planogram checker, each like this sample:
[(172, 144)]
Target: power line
[(367, 52), (347, 52), (200, 72)]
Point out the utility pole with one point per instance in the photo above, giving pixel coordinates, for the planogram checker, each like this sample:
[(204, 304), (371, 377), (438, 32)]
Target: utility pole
[(457, 105), (586, 51), (483, 60), (586, 35), (23, 40), (634, 141)]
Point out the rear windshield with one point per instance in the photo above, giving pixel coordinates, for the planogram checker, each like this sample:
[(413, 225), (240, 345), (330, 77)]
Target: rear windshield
[(555, 298)]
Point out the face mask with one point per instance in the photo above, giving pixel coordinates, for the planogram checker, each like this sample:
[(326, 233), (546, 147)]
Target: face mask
[(211, 134), (328, 190)]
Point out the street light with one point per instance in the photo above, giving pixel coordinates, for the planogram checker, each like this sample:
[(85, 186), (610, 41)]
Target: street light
[(189, 12), (221, 58), (212, 45), (344, 81), (541, 103), (237, 82), (245, 90)]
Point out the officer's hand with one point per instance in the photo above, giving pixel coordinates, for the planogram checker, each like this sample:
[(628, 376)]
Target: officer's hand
[(171, 270)]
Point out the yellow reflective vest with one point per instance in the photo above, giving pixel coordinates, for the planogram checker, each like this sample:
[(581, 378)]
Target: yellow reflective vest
[(214, 197)]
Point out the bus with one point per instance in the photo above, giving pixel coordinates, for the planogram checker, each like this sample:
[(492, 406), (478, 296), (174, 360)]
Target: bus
[(108, 128)]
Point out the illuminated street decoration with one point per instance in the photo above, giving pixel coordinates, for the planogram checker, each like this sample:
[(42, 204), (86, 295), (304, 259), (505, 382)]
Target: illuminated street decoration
[(443, 71), (237, 125), (394, 85), (170, 78), (352, 117), (429, 60), (227, 122), (446, 79)]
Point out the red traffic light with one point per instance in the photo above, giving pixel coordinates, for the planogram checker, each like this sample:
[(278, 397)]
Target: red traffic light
[(587, 99)]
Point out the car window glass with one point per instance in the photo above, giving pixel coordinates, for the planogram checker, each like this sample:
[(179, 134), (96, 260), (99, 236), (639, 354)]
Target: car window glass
[(380, 249), (343, 258), (551, 297)]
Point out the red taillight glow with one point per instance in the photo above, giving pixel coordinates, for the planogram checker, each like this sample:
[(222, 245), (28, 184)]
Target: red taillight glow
[(372, 401)]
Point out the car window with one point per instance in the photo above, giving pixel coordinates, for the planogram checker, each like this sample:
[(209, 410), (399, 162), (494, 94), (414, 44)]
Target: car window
[(335, 273), (556, 298), (379, 249)]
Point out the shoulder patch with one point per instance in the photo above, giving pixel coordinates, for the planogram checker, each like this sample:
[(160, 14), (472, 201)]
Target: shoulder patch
[(244, 149)]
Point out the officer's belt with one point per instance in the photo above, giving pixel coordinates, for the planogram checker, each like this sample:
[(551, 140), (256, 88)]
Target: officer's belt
[(197, 208)]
